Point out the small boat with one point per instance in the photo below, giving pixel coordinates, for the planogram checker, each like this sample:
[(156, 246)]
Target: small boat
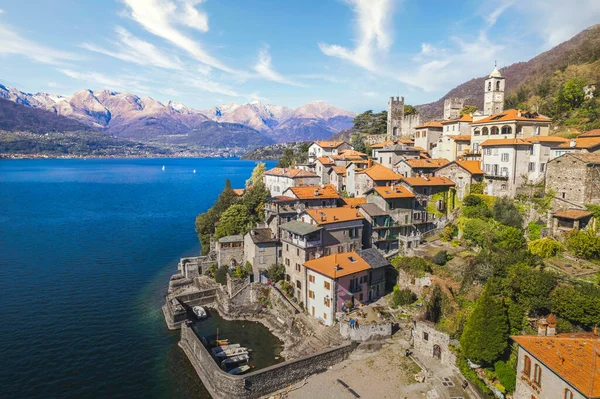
[(232, 352), (163, 168), (224, 347), (199, 312), (239, 370), (235, 360), (194, 170), (222, 342)]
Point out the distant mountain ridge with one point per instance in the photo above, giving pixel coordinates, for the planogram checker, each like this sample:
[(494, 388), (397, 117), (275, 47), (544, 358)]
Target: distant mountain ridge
[(129, 116), (581, 48)]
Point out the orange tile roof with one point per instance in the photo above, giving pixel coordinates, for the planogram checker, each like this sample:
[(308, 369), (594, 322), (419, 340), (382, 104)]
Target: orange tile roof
[(460, 137), (405, 141), (347, 157), (353, 153), (391, 192), (573, 214), (547, 139), (338, 265), (591, 133), (463, 118), (326, 161), (333, 215), (354, 202), (500, 142), (289, 172), (392, 142), (430, 124), (428, 181), (328, 144), (420, 148), (426, 163), (380, 172), (582, 143), (473, 167), (239, 191), (573, 357), (513, 115), (328, 191), (339, 170), (424, 155)]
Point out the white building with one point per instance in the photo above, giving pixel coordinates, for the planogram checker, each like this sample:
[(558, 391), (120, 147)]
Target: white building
[(505, 163), (277, 180), (326, 148)]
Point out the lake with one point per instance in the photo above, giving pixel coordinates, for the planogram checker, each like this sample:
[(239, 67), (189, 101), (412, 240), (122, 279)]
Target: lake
[(86, 251)]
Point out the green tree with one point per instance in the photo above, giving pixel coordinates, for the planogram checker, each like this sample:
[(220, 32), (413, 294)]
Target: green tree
[(468, 110), (584, 244), (254, 199), (579, 304), (276, 273), (505, 212), (570, 96), (485, 337), (235, 220), (544, 247), (530, 287), (357, 143), (221, 274), (287, 159), (410, 110), (433, 309), (402, 297), (506, 374), (257, 174)]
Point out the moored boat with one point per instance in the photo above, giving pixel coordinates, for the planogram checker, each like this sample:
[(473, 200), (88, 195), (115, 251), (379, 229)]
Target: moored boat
[(232, 352), (199, 311), (224, 347), (235, 360), (239, 370)]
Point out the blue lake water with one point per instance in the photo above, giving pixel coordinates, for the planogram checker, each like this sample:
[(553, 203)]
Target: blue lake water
[(86, 251)]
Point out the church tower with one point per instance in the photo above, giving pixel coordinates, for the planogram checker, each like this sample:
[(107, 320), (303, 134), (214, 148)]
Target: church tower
[(493, 100), (395, 117)]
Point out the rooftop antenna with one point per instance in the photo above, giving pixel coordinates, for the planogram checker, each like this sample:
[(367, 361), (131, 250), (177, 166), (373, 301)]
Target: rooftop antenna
[(495, 64)]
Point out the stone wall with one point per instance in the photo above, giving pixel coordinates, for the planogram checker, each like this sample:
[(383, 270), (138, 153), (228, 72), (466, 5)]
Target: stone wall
[(371, 139), (366, 331), (261, 382), (409, 123), (432, 343)]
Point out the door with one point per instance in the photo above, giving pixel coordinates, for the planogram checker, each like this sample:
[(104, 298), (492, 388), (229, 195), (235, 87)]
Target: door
[(437, 352), (313, 311)]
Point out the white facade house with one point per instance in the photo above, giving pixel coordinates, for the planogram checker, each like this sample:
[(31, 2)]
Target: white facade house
[(277, 180), (326, 148), (505, 163)]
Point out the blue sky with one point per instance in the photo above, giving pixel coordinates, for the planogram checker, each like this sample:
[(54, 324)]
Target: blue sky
[(349, 53)]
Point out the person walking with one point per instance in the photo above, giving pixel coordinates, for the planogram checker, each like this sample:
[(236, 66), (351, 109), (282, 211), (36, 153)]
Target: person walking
[(352, 323)]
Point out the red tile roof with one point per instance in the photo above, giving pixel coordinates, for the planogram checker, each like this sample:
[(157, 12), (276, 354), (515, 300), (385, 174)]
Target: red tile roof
[(380, 172), (582, 143), (514, 115), (326, 161), (426, 163), (334, 215), (391, 192), (354, 202), (473, 167), (328, 144), (460, 137), (428, 181), (463, 118), (573, 357), (338, 265), (339, 170), (328, 191), (547, 139), (430, 124), (502, 142), (289, 172), (573, 214), (591, 133)]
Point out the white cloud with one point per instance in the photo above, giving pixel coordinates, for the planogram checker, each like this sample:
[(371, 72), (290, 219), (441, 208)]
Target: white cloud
[(160, 17), (98, 79), (493, 16), (371, 94), (11, 43), (265, 69), (373, 29), (132, 49), (171, 92)]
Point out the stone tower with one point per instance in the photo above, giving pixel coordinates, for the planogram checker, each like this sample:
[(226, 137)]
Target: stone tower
[(395, 117), (452, 107), (493, 100)]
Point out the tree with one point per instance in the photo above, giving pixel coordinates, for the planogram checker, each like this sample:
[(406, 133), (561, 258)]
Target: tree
[(276, 273), (485, 337), (578, 304), (221, 274), (402, 297), (506, 374), (287, 158), (570, 96), (433, 310), (257, 174), (505, 212), (468, 110), (544, 247), (254, 199), (584, 244), (357, 143), (235, 220), (530, 287), (410, 110)]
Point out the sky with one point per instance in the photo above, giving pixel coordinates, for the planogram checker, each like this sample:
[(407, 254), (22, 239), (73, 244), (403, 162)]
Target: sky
[(354, 54)]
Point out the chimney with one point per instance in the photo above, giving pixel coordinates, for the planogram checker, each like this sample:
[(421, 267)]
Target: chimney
[(335, 217), (370, 162), (551, 320), (573, 143), (542, 327)]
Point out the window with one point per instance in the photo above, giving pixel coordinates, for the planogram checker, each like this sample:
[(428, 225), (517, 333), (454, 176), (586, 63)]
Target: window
[(298, 267), (497, 85), (542, 167), (298, 284), (488, 151), (487, 168), (537, 374), (311, 294), (489, 86), (297, 251), (531, 167), (568, 394), (325, 316), (327, 302), (504, 171), (261, 260), (526, 366), (477, 132), (287, 262), (311, 278), (287, 247), (360, 297), (340, 249), (261, 248), (505, 157), (426, 336), (327, 285)]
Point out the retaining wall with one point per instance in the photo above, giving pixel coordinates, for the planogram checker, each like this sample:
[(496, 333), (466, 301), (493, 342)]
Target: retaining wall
[(257, 383), (366, 331)]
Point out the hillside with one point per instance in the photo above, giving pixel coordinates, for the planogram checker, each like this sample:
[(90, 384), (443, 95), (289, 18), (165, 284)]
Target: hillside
[(16, 117), (582, 48)]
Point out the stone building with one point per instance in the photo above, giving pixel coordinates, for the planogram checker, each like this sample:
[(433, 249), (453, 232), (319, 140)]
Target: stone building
[(395, 118), (337, 177), (322, 167), (260, 250), (580, 144), (428, 134), (452, 147), (326, 148), (563, 222), (321, 196), (432, 343), (463, 173), (230, 251), (277, 180), (419, 167), (381, 270), (505, 163), (452, 107), (365, 179), (559, 366), (575, 178), (390, 155), (493, 99), (424, 188)]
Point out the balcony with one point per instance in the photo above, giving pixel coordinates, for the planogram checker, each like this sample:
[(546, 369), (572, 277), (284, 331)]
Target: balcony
[(302, 242), (355, 290)]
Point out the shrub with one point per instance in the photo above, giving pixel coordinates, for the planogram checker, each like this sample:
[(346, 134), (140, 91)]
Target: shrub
[(544, 247), (450, 231), (534, 230), (402, 297), (506, 212), (276, 273), (475, 231), (584, 244), (440, 258), (506, 374), (563, 326), (472, 200), (412, 264), (221, 274)]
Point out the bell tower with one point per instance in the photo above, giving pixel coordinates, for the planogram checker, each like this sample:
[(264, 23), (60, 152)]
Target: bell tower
[(395, 117), (493, 99)]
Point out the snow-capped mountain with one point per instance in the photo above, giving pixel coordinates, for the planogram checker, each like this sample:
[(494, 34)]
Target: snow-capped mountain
[(127, 115)]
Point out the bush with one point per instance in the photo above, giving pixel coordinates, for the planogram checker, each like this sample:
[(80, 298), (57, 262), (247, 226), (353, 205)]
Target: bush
[(505, 212), (402, 297), (440, 258), (544, 247), (472, 200), (450, 231), (534, 230), (412, 264), (506, 374), (584, 244), (221, 274), (276, 273), (476, 231)]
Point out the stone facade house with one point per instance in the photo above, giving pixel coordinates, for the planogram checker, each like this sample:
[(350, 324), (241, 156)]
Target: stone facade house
[(333, 281), (381, 270), (575, 178), (337, 177), (326, 148), (562, 222), (260, 250), (432, 343), (424, 190), (452, 147), (457, 126), (230, 251), (322, 167), (381, 231), (463, 173), (277, 180), (427, 135), (374, 176), (322, 196), (391, 155), (419, 167), (580, 144), (559, 366), (342, 228), (506, 165)]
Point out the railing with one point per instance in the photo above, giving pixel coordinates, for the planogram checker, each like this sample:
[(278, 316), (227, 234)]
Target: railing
[(378, 281), (355, 289)]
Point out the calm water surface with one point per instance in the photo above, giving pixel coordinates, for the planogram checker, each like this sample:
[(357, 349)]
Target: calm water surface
[(86, 250)]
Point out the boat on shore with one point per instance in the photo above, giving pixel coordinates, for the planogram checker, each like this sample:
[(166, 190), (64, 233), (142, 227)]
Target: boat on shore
[(232, 352), (235, 360), (239, 370), (219, 349), (200, 312)]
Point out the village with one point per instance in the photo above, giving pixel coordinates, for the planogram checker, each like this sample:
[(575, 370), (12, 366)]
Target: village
[(362, 263)]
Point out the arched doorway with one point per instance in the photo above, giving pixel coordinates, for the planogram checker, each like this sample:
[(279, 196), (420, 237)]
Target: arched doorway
[(437, 352)]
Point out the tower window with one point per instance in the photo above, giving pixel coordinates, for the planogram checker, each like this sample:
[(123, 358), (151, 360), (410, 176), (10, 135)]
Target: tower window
[(489, 86), (498, 85)]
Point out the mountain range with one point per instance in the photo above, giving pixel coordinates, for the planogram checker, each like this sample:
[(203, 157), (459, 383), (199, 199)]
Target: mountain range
[(144, 119)]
